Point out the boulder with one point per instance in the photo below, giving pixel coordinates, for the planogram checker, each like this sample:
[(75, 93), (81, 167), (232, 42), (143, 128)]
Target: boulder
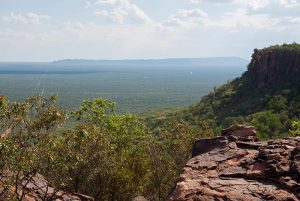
[(241, 170), (244, 133)]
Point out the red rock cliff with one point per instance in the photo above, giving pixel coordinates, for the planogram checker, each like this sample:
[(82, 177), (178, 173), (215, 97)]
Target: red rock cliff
[(275, 66)]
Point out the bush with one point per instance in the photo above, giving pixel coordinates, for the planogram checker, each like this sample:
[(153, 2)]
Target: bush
[(101, 153)]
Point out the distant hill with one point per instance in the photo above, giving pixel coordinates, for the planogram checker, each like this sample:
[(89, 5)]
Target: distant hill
[(88, 66), (267, 95), (136, 85), (213, 61)]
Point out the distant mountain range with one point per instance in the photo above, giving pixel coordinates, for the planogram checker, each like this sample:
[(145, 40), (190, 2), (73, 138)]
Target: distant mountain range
[(212, 61), (231, 64)]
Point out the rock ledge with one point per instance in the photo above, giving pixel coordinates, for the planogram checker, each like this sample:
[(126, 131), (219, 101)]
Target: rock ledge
[(234, 167)]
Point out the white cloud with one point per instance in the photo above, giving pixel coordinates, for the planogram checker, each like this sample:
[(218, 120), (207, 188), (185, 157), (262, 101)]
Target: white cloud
[(88, 4), (252, 4), (111, 2), (240, 19), (27, 19), (193, 1), (118, 15), (254, 14), (121, 29), (294, 20), (11, 35), (101, 13), (234, 21), (186, 17), (195, 13), (255, 4), (290, 3), (73, 27), (120, 11), (90, 40), (209, 1)]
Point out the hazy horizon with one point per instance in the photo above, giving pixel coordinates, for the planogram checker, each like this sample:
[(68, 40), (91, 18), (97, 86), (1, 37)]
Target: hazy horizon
[(132, 59), (139, 29)]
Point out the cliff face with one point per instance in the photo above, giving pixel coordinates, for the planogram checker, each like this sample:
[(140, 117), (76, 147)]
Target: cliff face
[(236, 167), (272, 66)]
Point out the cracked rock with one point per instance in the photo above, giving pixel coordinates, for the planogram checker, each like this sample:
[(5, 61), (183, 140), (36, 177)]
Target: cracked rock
[(235, 168)]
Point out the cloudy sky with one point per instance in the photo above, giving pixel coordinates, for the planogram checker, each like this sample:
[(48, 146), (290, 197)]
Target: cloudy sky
[(35, 30)]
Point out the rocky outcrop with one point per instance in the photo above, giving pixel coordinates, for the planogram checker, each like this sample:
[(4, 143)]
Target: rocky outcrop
[(38, 188), (274, 66), (231, 167), (233, 133), (244, 133)]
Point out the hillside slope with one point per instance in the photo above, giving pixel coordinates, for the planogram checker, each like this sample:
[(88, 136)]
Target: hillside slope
[(267, 96)]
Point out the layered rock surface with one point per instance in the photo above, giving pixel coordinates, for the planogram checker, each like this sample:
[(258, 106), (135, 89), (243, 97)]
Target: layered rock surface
[(38, 188), (232, 167)]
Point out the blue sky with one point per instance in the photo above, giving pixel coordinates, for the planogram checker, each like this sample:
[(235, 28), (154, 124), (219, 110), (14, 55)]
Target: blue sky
[(35, 30)]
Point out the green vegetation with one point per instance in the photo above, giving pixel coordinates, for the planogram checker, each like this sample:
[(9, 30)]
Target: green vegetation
[(109, 156), (273, 110), (135, 89), (295, 128), (294, 46), (103, 154)]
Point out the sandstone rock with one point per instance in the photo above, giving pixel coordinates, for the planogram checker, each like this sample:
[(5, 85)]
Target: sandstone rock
[(205, 145), (236, 133), (238, 170), (274, 67), (245, 133), (38, 188)]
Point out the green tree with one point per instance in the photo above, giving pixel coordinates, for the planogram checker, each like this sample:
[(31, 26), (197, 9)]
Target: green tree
[(27, 128), (277, 103), (168, 151), (295, 127), (103, 154), (268, 124)]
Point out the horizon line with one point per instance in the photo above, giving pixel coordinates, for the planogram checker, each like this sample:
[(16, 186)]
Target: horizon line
[(131, 59)]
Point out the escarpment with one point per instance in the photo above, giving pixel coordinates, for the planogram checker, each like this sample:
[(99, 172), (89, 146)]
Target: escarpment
[(267, 95), (236, 167), (275, 66)]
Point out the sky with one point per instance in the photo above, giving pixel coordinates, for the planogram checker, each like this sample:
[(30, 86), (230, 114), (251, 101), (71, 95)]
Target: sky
[(47, 30)]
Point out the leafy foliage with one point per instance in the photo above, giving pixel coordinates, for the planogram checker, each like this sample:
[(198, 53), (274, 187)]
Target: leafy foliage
[(295, 128), (168, 152), (102, 154), (26, 126), (293, 46), (269, 110)]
